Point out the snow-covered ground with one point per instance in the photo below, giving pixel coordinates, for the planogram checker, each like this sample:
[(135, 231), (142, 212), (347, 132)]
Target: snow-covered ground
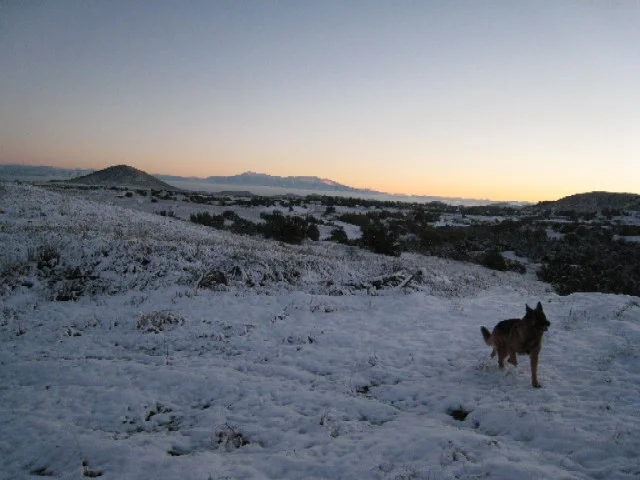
[(312, 361), (627, 238)]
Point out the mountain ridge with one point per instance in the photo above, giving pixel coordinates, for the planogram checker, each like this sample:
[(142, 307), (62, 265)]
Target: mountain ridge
[(14, 171), (306, 182)]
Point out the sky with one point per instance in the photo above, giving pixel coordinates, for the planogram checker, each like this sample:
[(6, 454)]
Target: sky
[(496, 99)]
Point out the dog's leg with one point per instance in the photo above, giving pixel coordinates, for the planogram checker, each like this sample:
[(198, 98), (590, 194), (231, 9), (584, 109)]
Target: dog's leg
[(502, 354), (534, 369), (493, 353), (513, 359)]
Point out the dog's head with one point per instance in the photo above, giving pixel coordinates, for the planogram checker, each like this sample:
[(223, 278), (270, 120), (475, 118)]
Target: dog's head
[(538, 317)]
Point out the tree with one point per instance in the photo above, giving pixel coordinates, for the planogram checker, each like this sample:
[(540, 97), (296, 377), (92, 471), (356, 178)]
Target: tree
[(377, 238), (313, 232), (339, 235)]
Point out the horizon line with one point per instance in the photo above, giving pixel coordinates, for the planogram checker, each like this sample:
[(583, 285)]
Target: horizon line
[(362, 190)]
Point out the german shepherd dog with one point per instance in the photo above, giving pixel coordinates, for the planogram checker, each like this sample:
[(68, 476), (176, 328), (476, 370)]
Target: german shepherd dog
[(523, 336)]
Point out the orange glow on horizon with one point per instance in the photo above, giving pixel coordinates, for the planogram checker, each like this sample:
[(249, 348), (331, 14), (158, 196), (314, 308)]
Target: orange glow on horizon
[(500, 189)]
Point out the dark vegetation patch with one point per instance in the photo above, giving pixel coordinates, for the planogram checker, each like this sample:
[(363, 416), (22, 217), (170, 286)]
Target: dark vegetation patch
[(158, 321), (177, 452), (42, 472), (275, 226), (229, 437), (590, 259), (156, 409), (459, 414), (213, 280), (89, 472)]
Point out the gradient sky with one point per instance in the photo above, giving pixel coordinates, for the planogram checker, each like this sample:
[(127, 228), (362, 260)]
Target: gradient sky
[(512, 100)]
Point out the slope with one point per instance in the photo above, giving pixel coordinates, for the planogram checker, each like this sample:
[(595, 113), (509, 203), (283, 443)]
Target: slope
[(289, 377)]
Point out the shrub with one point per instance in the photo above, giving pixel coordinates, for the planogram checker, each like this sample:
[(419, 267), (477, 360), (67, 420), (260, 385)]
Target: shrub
[(494, 260), (283, 228), (205, 218), (355, 219), (430, 237), (244, 227), (229, 437), (313, 232), (45, 256), (213, 280), (377, 238), (230, 215), (339, 235), (158, 321)]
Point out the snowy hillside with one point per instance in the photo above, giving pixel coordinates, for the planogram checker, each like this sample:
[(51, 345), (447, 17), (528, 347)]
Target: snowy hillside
[(148, 347)]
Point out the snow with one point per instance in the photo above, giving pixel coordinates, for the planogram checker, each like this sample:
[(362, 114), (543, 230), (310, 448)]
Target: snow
[(627, 238), (314, 375), (460, 220), (553, 234)]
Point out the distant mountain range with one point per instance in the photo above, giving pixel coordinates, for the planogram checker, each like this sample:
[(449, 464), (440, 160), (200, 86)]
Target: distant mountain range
[(249, 179), (253, 179), (123, 175), (299, 185), (40, 173)]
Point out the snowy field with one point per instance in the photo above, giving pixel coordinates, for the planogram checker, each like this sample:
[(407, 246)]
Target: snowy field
[(175, 351)]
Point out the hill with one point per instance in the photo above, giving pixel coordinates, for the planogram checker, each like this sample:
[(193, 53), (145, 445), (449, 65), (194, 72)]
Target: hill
[(122, 176), (593, 202)]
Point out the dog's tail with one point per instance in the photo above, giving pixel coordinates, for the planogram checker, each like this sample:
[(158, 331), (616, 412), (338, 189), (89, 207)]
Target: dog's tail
[(486, 334)]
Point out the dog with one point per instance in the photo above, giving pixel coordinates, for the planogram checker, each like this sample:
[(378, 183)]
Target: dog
[(523, 336)]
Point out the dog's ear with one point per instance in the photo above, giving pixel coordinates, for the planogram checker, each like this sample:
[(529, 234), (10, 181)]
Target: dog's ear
[(529, 310), (539, 307)]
